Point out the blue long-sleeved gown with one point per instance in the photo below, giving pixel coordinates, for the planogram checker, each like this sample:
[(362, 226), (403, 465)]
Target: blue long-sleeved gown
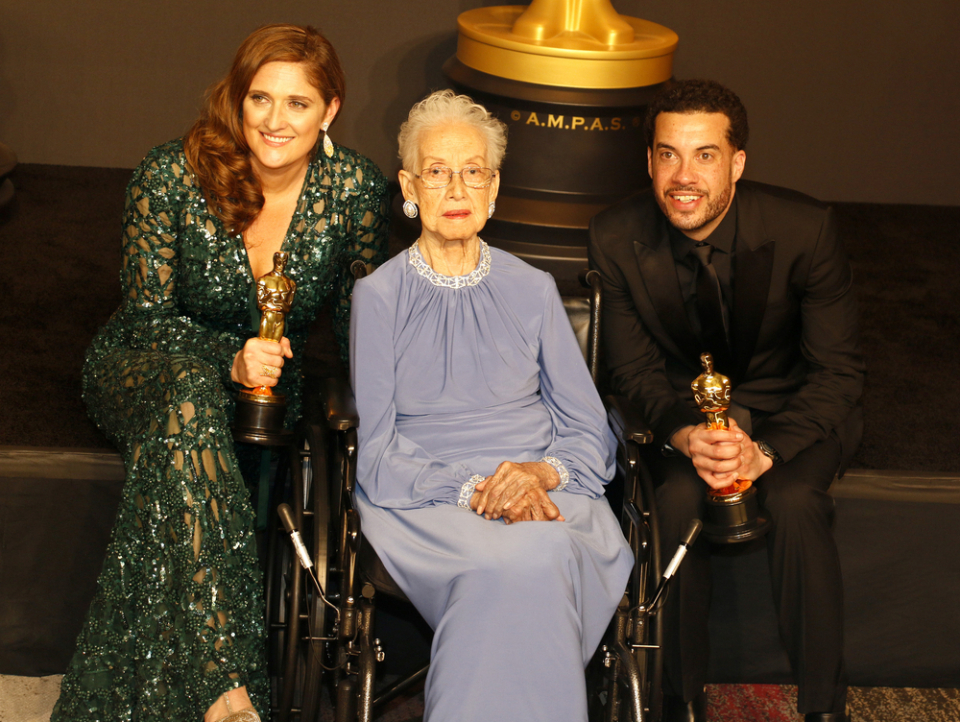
[(453, 376)]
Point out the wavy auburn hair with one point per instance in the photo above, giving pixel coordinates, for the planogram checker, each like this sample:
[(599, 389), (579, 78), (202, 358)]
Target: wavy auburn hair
[(215, 146)]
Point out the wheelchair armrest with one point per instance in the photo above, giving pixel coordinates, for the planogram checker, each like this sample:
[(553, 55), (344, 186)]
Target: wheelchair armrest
[(627, 420), (339, 406)]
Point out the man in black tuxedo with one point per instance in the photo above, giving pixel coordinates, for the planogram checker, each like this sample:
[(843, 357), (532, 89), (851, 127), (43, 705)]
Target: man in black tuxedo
[(757, 276)]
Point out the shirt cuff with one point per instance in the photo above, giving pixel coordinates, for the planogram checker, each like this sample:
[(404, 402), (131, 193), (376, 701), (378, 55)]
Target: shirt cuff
[(466, 491), (669, 449), (561, 470)]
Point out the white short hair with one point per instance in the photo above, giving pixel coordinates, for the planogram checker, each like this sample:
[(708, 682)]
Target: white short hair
[(444, 107)]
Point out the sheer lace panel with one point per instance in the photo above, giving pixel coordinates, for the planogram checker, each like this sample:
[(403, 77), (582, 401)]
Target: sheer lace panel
[(178, 615), (188, 604)]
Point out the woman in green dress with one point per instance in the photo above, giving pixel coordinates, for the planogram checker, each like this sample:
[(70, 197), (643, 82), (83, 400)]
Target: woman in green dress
[(176, 630)]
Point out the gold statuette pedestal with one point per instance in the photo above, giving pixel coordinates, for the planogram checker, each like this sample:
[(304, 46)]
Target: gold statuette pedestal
[(261, 410), (567, 44), (733, 514), (572, 80)]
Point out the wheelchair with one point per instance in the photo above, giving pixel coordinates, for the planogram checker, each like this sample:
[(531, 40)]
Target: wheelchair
[(322, 640)]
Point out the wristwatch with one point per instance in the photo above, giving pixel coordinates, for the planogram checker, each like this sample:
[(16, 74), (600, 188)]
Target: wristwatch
[(769, 452), (669, 449)]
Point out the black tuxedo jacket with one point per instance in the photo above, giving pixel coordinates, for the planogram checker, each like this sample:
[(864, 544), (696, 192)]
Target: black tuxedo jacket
[(796, 366)]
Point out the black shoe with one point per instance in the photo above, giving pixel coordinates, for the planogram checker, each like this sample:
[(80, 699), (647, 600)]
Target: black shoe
[(676, 710), (826, 717)]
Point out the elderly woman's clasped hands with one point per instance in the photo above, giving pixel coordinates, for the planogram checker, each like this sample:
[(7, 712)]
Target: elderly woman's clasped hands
[(518, 492)]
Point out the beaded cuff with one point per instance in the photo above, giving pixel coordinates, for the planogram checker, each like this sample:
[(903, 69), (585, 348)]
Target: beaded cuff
[(466, 491), (561, 469), (438, 279)]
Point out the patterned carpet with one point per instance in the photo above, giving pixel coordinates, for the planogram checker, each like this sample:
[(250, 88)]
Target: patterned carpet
[(30, 699), (775, 703)]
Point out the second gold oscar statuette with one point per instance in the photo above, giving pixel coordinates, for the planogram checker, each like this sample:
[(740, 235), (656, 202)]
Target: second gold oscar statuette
[(733, 513)]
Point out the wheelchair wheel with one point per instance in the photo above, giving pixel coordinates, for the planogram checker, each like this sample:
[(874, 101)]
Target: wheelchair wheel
[(299, 620), (318, 523), (625, 678)]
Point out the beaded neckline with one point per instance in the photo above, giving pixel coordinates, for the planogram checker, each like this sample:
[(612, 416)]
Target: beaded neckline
[(438, 279)]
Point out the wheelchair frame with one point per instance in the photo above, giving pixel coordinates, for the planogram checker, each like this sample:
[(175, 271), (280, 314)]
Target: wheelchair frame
[(309, 642)]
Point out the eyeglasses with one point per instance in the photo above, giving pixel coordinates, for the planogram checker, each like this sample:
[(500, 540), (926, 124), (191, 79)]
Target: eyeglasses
[(441, 176)]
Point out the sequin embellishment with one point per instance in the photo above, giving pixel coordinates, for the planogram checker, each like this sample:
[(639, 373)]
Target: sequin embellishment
[(178, 615)]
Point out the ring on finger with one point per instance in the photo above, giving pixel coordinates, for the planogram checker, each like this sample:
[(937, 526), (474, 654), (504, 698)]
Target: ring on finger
[(268, 371)]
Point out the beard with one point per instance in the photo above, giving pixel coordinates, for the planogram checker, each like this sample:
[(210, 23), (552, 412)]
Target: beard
[(694, 220)]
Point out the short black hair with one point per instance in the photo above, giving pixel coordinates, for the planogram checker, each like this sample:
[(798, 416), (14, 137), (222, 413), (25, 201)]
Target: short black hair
[(700, 96)]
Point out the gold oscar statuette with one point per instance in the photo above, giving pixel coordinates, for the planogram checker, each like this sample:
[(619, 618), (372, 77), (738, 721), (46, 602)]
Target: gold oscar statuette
[(733, 513), (261, 410)]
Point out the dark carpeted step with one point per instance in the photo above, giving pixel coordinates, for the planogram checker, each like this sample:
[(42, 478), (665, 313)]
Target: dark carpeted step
[(8, 160), (6, 191)]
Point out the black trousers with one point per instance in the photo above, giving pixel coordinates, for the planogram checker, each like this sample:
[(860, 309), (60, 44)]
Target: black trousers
[(804, 568)]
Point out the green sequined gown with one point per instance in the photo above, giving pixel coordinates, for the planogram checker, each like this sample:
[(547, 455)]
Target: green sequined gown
[(178, 616)]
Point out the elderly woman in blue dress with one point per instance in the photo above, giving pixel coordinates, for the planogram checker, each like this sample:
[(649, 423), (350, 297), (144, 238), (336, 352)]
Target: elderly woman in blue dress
[(477, 418)]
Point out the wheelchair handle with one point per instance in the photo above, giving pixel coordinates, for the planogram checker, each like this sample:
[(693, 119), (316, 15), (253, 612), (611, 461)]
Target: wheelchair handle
[(286, 516), (692, 531), (660, 594)]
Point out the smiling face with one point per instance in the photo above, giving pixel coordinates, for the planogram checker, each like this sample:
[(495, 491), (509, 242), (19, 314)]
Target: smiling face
[(282, 117), (457, 212), (694, 170)]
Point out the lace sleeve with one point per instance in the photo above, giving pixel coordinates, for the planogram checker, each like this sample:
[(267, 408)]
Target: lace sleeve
[(151, 224), (367, 223)]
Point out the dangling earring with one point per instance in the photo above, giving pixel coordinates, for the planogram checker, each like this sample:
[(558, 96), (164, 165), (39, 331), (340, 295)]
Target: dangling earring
[(490, 209), (410, 209), (327, 143)]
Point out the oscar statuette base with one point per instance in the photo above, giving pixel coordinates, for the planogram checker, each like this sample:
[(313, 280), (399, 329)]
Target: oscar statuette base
[(734, 518), (259, 419)]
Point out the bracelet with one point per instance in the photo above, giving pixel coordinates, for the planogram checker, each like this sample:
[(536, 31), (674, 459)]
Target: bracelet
[(561, 470), (466, 491)]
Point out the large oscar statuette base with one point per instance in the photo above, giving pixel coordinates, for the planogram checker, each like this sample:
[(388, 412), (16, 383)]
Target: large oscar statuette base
[(733, 514), (572, 79), (261, 411)]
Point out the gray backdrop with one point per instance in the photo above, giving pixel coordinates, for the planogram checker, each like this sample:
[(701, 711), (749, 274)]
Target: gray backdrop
[(849, 100)]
